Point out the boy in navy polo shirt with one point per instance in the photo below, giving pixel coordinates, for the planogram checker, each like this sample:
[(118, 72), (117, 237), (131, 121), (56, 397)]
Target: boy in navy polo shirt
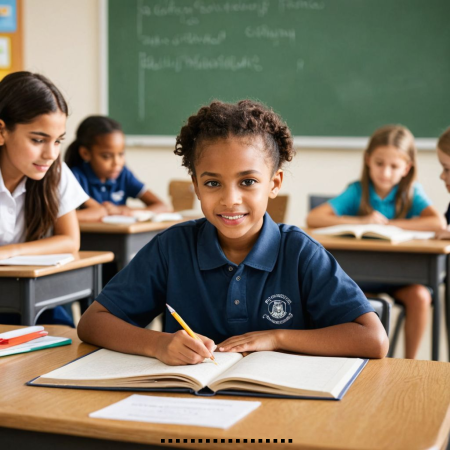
[(97, 159), (237, 278)]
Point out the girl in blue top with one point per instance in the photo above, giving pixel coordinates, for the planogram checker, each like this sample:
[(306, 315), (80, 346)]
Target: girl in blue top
[(236, 277), (97, 159), (388, 194)]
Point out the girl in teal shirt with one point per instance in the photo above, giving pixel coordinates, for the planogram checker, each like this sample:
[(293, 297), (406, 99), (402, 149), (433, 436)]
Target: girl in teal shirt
[(387, 194)]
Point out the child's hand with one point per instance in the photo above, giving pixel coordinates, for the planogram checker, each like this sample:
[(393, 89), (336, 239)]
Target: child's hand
[(255, 341), (179, 348), (119, 210), (375, 217), (443, 234)]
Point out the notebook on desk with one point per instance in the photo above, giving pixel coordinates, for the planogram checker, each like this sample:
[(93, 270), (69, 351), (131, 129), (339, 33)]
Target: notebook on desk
[(260, 374), (38, 260), (142, 216), (373, 231)]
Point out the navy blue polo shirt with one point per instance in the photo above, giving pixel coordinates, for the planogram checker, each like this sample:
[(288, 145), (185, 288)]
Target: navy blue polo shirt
[(115, 191), (287, 281)]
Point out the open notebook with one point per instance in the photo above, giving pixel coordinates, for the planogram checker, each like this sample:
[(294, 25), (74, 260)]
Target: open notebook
[(373, 231), (261, 374)]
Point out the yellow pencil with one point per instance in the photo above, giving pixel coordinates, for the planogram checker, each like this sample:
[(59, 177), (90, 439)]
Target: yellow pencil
[(187, 329)]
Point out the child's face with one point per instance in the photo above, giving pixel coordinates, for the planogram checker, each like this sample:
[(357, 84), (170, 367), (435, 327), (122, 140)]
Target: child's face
[(233, 183), (106, 156), (387, 166), (444, 159), (30, 149)]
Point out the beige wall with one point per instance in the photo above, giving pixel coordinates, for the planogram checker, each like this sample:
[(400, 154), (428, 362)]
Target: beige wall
[(62, 42)]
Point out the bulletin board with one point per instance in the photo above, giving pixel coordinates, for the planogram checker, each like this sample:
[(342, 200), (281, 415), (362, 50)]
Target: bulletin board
[(11, 45)]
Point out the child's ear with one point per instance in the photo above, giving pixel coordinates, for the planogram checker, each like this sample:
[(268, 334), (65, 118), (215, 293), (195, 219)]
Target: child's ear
[(84, 153), (2, 130), (366, 158), (407, 169), (194, 182), (277, 181)]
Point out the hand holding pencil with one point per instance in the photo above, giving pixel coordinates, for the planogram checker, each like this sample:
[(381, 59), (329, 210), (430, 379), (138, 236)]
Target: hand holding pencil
[(188, 330)]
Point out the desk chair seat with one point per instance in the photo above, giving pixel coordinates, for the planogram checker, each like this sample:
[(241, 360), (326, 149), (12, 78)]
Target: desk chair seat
[(317, 200), (182, 194)]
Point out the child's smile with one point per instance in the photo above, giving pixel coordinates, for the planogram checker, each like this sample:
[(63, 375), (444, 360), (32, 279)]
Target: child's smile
[(234, 181)]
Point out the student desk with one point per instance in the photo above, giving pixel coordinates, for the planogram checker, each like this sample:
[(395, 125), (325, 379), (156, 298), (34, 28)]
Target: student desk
[(29, 290), (124, 240), (413, 262), (394, 403)]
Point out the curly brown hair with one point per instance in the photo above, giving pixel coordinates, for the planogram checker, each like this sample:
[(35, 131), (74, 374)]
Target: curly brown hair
[(247, 119)]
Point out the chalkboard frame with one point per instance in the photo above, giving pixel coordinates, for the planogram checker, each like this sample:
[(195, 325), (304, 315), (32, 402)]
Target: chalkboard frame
[(159, 141)]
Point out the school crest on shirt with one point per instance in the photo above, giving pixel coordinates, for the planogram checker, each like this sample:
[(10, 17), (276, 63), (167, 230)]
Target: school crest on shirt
[(278, 309), (117, 196)]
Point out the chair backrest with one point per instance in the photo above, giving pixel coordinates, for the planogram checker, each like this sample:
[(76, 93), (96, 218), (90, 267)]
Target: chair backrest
[(383, 309), (316, 200), (182, 194), (277, 208)]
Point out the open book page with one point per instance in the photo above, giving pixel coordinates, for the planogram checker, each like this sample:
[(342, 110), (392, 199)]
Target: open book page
[(340, 230), (387, 232), (38, 260), (109, 365), (308, 375)]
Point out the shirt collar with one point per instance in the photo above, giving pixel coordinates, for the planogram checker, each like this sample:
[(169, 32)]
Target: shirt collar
[(389, 198), (262, 256), (20, 189), (92, 178)]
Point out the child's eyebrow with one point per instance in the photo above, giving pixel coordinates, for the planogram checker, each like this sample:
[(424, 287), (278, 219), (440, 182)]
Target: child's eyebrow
[(40, 133), (239, 174), (248, 172), (209, 174)]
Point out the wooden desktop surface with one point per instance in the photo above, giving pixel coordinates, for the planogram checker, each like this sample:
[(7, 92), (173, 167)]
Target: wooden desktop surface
[(394, 403), (348, 243), (82, 259)]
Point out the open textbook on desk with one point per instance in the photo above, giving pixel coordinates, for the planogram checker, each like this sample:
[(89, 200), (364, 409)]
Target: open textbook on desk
[(373, 231), (260, 374)]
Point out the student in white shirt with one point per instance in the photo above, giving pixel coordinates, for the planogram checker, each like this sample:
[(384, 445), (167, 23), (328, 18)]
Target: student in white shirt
[(38, 194)]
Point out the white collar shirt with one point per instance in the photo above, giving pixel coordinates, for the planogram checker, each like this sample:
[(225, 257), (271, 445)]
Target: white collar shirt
[(12, 205)]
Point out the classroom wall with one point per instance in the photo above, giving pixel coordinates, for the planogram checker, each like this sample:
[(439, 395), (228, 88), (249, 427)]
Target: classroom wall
[(61, 40)]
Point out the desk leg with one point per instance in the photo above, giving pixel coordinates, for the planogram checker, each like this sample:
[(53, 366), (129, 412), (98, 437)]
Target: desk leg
[(125, 255), (447, 306), (96, 288), (98, 284), (436, 310), (28, 300)]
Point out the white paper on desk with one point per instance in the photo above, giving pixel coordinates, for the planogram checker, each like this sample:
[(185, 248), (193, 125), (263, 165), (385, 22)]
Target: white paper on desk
[(178, 411), (38, 260)]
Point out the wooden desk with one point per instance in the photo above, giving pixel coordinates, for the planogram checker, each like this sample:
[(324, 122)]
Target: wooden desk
[(29, 290), (124, 240), (412, 262), (394, 403)]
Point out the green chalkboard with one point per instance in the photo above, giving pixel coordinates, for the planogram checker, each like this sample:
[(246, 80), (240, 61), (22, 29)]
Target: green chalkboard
[(329, 67)]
